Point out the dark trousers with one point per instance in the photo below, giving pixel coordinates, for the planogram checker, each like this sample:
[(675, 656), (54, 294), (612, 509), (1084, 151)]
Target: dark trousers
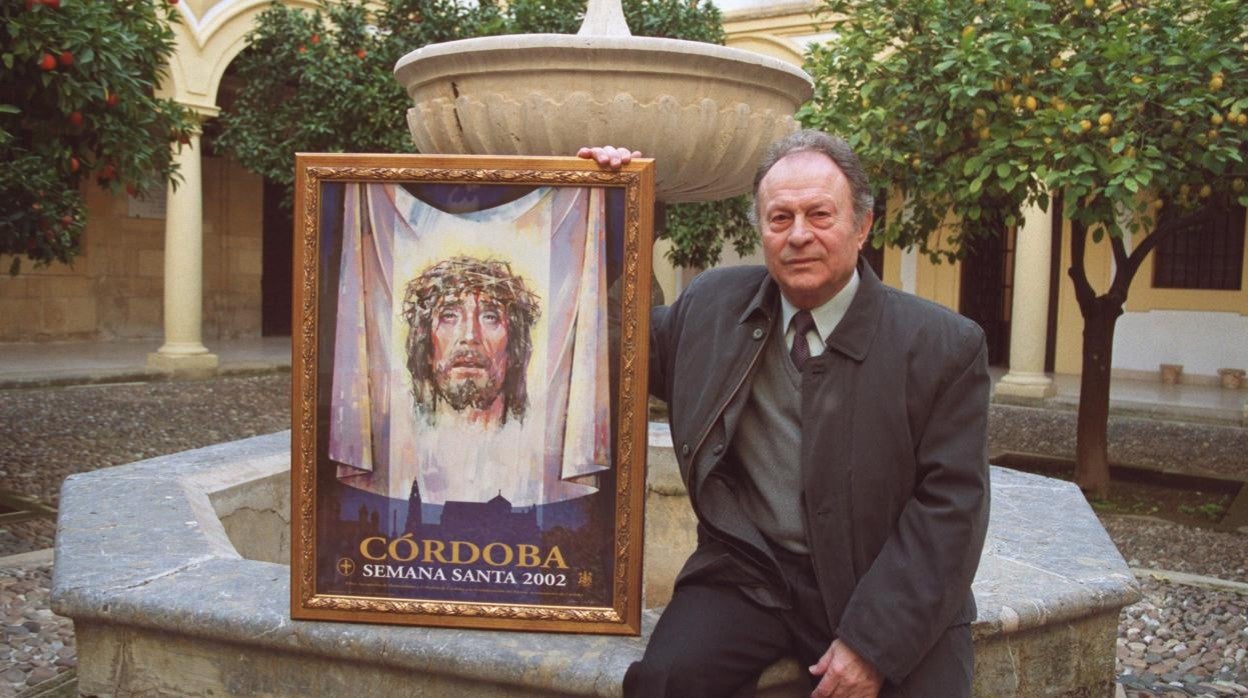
[(714, 642)]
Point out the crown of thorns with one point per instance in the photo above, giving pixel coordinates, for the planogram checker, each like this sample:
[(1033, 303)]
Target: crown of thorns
[(456, 276)]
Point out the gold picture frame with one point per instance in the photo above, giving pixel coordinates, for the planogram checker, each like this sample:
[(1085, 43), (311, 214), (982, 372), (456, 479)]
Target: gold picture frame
[(469, 391)]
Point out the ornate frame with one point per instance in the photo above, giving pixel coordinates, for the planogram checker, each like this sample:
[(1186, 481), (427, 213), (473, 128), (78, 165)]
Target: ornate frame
[(623, 614)]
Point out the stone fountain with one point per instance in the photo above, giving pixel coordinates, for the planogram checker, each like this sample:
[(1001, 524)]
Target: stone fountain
[(176, 570), (707, 111)]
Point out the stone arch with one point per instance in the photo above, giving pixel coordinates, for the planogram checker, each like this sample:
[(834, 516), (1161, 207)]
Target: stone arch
[(207, 45)]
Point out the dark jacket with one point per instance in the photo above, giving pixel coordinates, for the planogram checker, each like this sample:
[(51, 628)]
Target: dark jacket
[(894, 462)]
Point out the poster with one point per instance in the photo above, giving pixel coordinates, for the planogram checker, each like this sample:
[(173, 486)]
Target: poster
[(469, 388)]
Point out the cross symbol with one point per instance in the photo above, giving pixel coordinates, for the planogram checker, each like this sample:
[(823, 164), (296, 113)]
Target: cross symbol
[(346, 567)]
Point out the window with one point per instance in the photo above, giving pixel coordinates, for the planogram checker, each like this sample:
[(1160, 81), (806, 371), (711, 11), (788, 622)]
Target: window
[(1208, 254)]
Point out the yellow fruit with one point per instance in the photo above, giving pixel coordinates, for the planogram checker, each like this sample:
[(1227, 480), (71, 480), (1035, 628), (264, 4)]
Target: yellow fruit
[(1113, 140), (981, 113), (1016, 101), (1137, 79), (1130, 151), (1085, 125), (1242, 120), (1031, 103), (1089, 3), (1104, 130), (1205, 191), (1184, 190), (984, 133), (1213, 134), (1237, 184), (916, 164), (1026, 81), (1106, 119), (968, 31), (1216, 119), (1176, 125), (1215, 83), (1047, 140), (902, 129), (1055, 63)]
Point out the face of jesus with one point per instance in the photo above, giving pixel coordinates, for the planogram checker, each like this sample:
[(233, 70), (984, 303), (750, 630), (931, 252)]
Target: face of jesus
[(469, 351)]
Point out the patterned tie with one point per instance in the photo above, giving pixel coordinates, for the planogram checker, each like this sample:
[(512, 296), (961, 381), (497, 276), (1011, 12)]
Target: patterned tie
[(802, 324)]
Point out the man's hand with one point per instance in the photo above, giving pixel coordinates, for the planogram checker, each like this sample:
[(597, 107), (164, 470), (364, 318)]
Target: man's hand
[(845, 674), (609, 157)]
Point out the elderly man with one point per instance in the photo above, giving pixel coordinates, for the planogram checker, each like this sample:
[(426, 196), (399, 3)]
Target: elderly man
[(468, 342), (831, 432)]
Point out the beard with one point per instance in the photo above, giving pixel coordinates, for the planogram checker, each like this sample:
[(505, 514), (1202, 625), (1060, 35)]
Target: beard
[(463, 393)]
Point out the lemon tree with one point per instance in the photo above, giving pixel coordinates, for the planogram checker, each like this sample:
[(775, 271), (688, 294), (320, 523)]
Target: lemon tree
[(1135, 112), (78, 105)]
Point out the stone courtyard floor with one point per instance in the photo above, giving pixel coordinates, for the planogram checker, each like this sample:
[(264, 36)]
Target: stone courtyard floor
[(1187, 636)]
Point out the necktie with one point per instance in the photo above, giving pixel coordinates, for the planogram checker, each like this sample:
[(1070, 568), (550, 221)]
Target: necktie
[(802, 324)]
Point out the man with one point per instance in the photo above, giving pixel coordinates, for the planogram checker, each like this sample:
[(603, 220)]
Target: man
[(469, 342), (831, 433)]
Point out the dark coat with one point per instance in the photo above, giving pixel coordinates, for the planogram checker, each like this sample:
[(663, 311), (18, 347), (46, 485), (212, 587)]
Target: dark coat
[(894, 455)]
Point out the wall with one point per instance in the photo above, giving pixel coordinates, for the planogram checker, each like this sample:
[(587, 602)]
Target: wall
[(1202, 330), (114, 289)]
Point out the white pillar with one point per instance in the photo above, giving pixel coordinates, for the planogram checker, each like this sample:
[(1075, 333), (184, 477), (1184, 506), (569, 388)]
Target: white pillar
[(1029, 317), (184, 349)]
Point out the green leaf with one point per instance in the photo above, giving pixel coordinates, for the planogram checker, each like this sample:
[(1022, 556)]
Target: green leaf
[(1120, 165)]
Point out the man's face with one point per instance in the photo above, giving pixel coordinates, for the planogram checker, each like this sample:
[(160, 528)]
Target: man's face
[(469, 350), (810, 241)]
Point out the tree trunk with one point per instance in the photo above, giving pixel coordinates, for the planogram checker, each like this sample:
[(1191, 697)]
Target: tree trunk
[(1100, 315), (1092, 438)]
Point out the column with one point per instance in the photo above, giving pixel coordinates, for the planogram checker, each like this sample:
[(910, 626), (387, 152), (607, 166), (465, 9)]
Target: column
[(1029, 317), (184, 349)]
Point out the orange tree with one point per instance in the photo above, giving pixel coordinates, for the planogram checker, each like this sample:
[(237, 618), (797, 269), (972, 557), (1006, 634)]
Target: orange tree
[(322, 81), (1133, 110), (77, 104)]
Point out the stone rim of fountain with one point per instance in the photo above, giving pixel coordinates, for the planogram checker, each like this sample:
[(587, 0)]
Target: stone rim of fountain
[(707, 112), (142, 552)]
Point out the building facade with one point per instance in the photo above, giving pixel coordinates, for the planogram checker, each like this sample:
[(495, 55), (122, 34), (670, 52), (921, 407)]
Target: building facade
[(202, 262)]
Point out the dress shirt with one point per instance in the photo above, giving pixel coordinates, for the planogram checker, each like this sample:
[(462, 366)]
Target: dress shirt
[(827, 316)]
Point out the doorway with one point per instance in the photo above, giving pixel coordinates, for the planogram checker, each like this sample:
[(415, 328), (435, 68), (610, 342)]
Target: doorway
[(277, 263), (987, 290)]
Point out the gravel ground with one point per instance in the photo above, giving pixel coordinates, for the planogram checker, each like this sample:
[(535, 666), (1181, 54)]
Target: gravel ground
[(1179, 640), (1208, 449), (37, 644), (54, 432), (1184, 640), (1162, 545)]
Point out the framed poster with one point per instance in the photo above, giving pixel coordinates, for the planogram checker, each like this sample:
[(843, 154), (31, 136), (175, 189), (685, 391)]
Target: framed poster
[(469, 391)]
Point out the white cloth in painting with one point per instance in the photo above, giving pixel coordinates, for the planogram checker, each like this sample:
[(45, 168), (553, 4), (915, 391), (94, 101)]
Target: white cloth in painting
[(554, 239)]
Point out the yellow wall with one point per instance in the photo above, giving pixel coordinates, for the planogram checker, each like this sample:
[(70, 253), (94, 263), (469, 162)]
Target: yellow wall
[(115, 287), (1144, 297)]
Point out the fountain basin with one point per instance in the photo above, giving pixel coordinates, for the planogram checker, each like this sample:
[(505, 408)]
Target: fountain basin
[(707, 112), (173, 571)]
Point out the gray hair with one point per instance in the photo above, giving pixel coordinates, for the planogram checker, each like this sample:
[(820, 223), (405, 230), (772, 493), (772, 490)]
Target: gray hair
[(837, 150)]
